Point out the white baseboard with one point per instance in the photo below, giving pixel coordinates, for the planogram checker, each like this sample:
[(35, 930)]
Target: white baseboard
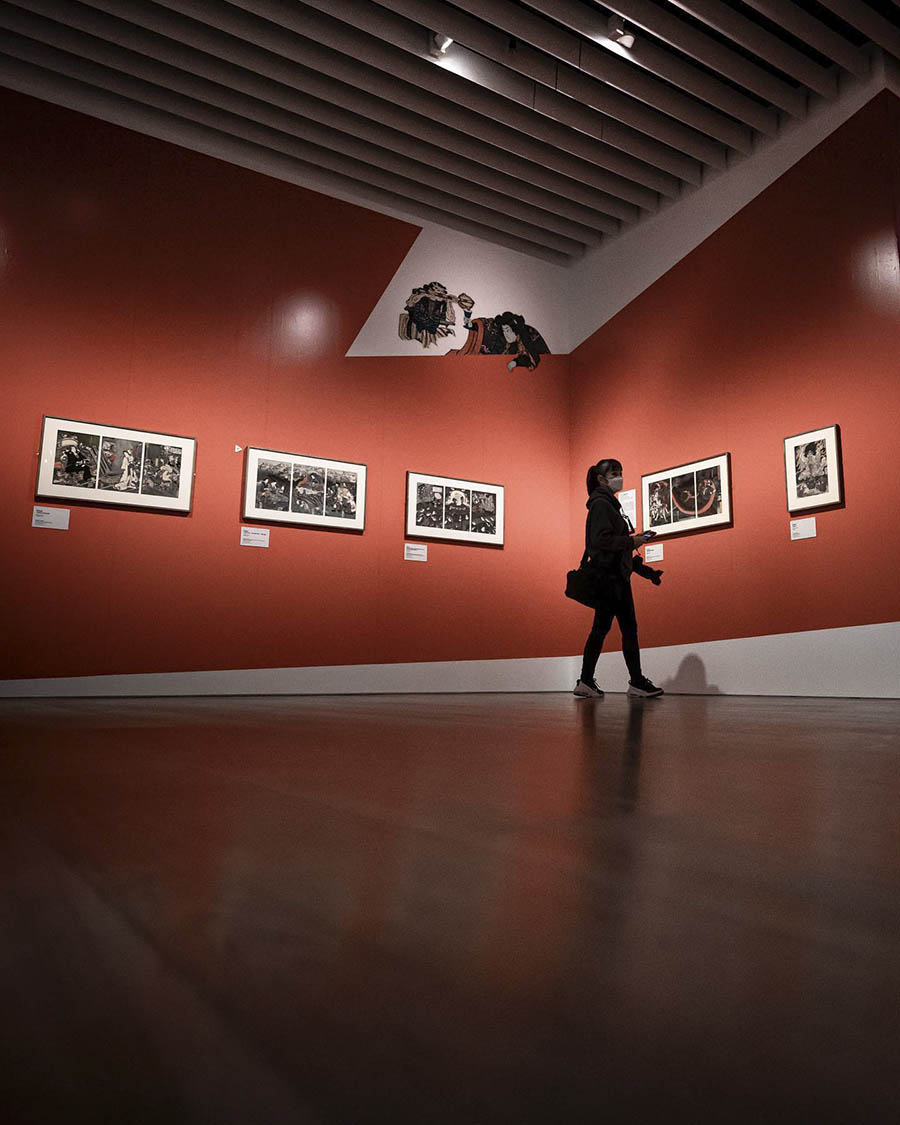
[(861, 661)]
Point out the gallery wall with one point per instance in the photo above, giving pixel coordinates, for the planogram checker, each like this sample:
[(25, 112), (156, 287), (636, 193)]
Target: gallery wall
[(146, 286), (786, 319)]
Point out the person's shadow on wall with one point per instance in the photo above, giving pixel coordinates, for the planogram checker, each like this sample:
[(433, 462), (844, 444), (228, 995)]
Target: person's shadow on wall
[(690, 679)]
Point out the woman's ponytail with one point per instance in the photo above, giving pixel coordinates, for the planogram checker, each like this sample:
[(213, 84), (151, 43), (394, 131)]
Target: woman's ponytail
[(592, 478)]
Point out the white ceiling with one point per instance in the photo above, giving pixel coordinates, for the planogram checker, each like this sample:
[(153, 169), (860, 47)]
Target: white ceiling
[(535, 130)]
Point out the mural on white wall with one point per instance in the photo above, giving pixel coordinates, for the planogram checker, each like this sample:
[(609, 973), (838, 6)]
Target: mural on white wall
[(430, 316), (457, 295), (506, 334)]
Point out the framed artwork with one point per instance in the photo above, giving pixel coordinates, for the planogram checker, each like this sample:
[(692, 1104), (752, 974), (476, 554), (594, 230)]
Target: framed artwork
[(466, 511), (692, 497), (308, 491), (91, 463), (813, 472)]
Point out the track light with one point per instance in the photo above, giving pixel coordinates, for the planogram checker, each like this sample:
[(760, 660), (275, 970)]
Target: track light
[(620, 33), (438, 44)]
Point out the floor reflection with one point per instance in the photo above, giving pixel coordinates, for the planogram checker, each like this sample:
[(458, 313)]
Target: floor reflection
[(612, 752), (504, 909)]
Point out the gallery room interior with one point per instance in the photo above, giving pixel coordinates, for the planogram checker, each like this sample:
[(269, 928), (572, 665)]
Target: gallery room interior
[(313, 319)]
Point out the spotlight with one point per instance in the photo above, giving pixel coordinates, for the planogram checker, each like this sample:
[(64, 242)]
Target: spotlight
[(620, 33), (438, 44)]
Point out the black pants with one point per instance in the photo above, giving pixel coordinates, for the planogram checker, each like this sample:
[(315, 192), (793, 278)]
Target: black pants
[(619, 605)]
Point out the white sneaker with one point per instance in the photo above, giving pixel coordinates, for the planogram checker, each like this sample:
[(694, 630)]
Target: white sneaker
[(587, 689), (644, 688)]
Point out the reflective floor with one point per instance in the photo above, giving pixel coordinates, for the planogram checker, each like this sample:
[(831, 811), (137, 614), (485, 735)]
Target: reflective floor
[(473, 909)]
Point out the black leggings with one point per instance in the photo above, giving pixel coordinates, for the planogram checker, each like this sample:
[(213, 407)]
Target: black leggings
[(620, 606)]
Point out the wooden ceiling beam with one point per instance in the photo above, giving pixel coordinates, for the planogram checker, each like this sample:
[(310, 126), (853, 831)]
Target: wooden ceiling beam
[(378, 37), (269, 51), (762, 43), (316, 41), (809, 30), (664, 25), (539, 43), (871, 23), (591, 24)]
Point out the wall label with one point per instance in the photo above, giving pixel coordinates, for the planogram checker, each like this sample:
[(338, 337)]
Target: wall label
[(50, 517), (254, 536), (653, 552), (804, 529), (415, 552), (628, 500)]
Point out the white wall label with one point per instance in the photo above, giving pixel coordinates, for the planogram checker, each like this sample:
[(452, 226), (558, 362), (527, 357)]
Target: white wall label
[(653, 552), (628, 500), (50, 517), (239, 449), (415, 552), (254, 536), (803, 529)]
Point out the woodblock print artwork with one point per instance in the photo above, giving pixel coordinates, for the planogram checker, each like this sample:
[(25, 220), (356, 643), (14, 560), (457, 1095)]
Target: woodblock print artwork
[(691, 497), (813, 468), (295, 488), (454, 509), (93, 463)]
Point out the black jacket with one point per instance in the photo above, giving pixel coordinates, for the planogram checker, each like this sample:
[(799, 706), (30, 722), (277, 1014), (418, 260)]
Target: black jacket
[(609, 537)]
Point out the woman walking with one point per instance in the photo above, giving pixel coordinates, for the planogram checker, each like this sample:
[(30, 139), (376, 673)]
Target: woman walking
[(611, 543)]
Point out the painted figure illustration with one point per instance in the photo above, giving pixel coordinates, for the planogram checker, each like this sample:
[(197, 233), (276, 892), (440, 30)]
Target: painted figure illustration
[(811, 462), (76, 460), (430, 315)]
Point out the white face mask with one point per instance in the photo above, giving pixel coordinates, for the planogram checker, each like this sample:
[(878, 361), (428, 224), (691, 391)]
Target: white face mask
[(615, 483)]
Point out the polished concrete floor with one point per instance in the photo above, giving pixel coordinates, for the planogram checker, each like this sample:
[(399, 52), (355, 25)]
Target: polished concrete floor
[(433, 909)]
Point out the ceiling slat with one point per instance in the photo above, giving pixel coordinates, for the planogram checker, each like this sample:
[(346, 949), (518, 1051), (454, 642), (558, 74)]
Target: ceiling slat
[(454, 102), (607, 67), (369, 33), (760, 42), (260, 46), (584, 91), (869, 22), (611, 72), (683, 37), (809, 30), (591, 24)]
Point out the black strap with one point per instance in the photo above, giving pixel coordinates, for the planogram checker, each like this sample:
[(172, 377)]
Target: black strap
[(587, 548)]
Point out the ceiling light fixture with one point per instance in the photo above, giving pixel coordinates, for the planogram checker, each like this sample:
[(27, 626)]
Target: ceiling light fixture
[(438, 45), (620, 32)]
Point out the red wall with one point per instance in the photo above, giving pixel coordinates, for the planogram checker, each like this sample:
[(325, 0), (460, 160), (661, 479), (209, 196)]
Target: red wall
[(786, 319), (146, 286)]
